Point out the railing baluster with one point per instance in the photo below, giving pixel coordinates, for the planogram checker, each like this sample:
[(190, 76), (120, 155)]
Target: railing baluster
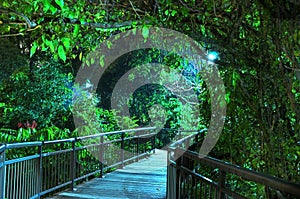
[(137, 147), (178, 178), (8, 181), (3, 171), (122, 149), (40, 172), (16, 181), (221, 183), (73, 164), (55, 159), (153, 142), (22, 185), (30, 175), (101, 155), (47, 172), (30, 181)]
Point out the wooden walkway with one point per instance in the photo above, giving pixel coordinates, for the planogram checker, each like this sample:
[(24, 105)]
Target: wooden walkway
[(145, 179)]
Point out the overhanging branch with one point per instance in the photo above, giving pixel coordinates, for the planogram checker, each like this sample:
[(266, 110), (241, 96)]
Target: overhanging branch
[(30, 24), (104, 25)]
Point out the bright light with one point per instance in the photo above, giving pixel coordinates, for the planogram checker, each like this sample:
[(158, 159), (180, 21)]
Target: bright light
[(212, 56)]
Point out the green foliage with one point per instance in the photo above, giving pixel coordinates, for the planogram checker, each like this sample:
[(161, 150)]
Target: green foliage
[(26, 134), (258, 43), (11, 58), (43, 95), (89, 118)]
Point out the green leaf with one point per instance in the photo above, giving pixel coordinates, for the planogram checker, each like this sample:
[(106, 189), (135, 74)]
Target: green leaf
[(92, 61), (88, 63), (134, 31), (44, 47), (102, 61), (53, 9), (109, 44), (47, 5), (33, 49), (51, 45), (62, 53), (76, 30), (66, 42), (36, 5), (173, 13), (60, 3), (145, 32), (227, 97), (235, 77)]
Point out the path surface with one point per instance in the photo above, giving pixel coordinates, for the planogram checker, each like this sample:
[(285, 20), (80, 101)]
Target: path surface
[(145, 179)]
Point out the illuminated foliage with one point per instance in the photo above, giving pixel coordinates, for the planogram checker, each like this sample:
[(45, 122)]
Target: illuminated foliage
[(258, 44)]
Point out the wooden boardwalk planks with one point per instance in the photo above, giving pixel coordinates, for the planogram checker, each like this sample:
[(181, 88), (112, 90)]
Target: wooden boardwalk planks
[(145, 179)]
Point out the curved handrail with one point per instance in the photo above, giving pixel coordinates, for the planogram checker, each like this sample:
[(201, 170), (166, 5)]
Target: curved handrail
[(268, 180), (23, 144), (265, 179), (184, 139), (2, 148), (115, 132), (39, 143), (70, 157)]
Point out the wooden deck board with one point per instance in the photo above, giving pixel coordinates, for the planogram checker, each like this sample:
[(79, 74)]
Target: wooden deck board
[(145, 179)]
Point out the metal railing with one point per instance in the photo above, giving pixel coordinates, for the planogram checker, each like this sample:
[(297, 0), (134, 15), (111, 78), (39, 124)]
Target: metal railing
[(2, 170), (188, 177), (52, 165)]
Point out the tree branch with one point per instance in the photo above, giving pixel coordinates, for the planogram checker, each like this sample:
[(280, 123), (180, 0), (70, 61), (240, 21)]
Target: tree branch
[(106, 25), (30, 24), (12, 35)]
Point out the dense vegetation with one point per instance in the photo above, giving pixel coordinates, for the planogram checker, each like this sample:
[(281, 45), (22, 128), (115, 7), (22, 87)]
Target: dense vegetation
[(44, 42)]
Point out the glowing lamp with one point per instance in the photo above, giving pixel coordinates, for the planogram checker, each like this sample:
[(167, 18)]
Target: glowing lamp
[(212, 56)]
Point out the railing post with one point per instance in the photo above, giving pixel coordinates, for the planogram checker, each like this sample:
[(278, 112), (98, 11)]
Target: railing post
[(137, 147), (197, 137), (153, 143), (101, 155), (171, 177), (178, 176), (187, 143), (221, 184), (73, 164), (40, 174), (122, 150), (3, 172)]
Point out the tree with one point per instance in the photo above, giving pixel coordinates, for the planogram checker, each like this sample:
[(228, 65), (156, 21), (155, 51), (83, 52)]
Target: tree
[(258, 44)]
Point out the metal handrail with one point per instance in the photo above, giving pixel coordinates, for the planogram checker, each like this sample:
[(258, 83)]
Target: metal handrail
[(23, 144), (2, 148), (50, 142), (268, 180), (224, 168), (183, 140), (27, 176), (115, 132)]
